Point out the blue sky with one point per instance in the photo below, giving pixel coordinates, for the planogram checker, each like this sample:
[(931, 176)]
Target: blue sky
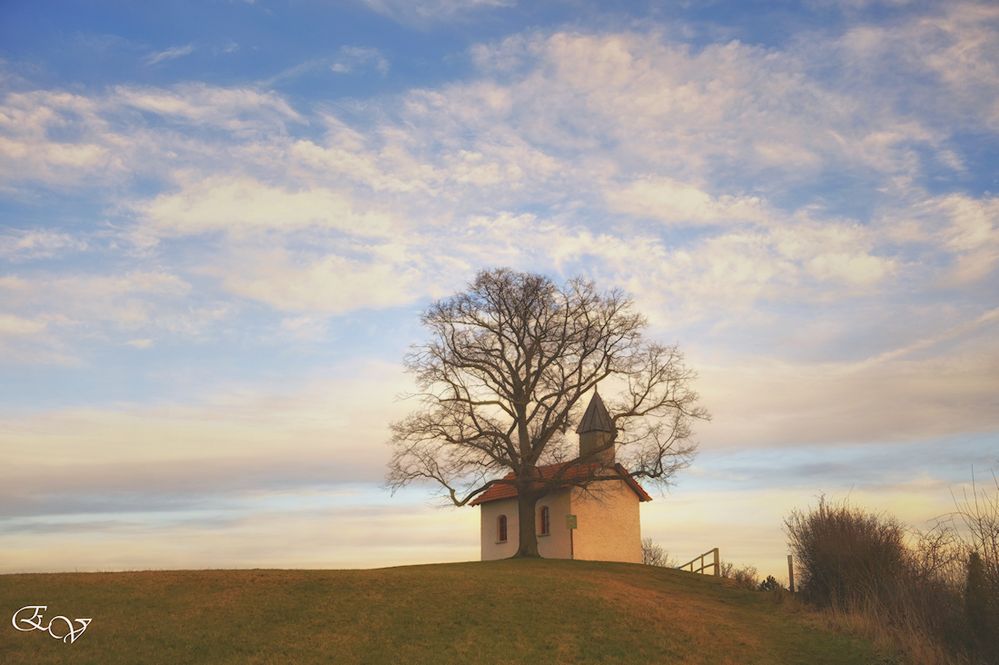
[(219, 222)]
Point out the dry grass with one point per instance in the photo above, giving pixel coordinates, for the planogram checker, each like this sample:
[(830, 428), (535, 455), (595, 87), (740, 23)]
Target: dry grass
[(568, 612), (908, 644)]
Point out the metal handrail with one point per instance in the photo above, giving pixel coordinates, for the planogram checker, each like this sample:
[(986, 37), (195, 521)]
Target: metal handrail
[(714, 562)]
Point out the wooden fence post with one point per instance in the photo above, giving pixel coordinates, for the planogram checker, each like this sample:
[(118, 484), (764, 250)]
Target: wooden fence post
[(717, 566), (790, 573)]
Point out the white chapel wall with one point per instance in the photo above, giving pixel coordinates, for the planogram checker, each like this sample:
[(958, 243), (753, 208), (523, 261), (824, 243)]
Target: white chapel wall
[(553, 546), (489, 515)]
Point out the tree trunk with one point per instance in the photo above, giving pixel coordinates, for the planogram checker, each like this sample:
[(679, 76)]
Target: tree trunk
[(528, 537)]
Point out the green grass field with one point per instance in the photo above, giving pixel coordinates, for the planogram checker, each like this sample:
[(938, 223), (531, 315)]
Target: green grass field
[(518, 611)]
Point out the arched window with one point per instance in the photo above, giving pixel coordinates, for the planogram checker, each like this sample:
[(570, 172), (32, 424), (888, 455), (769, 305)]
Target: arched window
[(501, 529), (546, 524)]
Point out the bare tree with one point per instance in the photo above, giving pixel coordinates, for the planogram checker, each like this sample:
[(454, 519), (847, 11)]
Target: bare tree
[(653, 554), (980, 514), (501, 381)]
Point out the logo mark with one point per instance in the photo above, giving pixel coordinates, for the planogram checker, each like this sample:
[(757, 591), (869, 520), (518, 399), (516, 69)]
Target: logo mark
[(55, 627)]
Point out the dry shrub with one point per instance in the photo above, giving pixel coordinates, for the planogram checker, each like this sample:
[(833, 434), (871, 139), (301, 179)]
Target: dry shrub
[(933, 594), (655, 555), (745, 577)]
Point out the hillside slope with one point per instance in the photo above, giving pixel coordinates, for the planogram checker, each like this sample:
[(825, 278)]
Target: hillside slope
[(570, 612)]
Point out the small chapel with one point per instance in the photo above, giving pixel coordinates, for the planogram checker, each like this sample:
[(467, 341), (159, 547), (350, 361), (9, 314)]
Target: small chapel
[(572, 523)]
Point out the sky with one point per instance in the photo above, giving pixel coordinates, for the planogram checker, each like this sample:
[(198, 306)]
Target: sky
[(220, 222)]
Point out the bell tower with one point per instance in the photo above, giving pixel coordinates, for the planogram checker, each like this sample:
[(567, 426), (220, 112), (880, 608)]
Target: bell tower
[(595, 430)]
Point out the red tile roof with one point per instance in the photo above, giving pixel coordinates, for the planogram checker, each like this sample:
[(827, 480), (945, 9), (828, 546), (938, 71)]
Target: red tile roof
[(575, 471)]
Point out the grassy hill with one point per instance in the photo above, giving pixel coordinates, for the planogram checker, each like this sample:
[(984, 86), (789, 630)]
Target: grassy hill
[(570, 612)]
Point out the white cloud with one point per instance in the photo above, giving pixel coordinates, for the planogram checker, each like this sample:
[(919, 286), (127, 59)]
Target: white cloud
[(679, 203), (973, 222), (241, 206), (834, 251), (57, 155), (721, 275), (858, 269), (28, 151), (328, 284)]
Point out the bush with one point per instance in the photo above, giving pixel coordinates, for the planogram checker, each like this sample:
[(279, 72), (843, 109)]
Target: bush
[(845, 556)]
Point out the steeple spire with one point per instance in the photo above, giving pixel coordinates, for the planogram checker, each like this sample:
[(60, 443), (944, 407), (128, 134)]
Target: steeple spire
[(596, 418), (596, 432)]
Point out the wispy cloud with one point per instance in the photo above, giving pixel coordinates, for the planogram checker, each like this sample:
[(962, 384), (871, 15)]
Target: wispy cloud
[(428, 11), (171, 53), (28, 244), (348, 60), (256, 530), (354, 58), (333, 428)]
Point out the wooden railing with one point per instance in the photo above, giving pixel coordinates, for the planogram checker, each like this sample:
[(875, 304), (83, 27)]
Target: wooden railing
[(713, 562)]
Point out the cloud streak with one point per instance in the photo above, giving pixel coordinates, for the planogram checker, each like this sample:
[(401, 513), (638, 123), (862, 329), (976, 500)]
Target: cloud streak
[(172, 53)]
